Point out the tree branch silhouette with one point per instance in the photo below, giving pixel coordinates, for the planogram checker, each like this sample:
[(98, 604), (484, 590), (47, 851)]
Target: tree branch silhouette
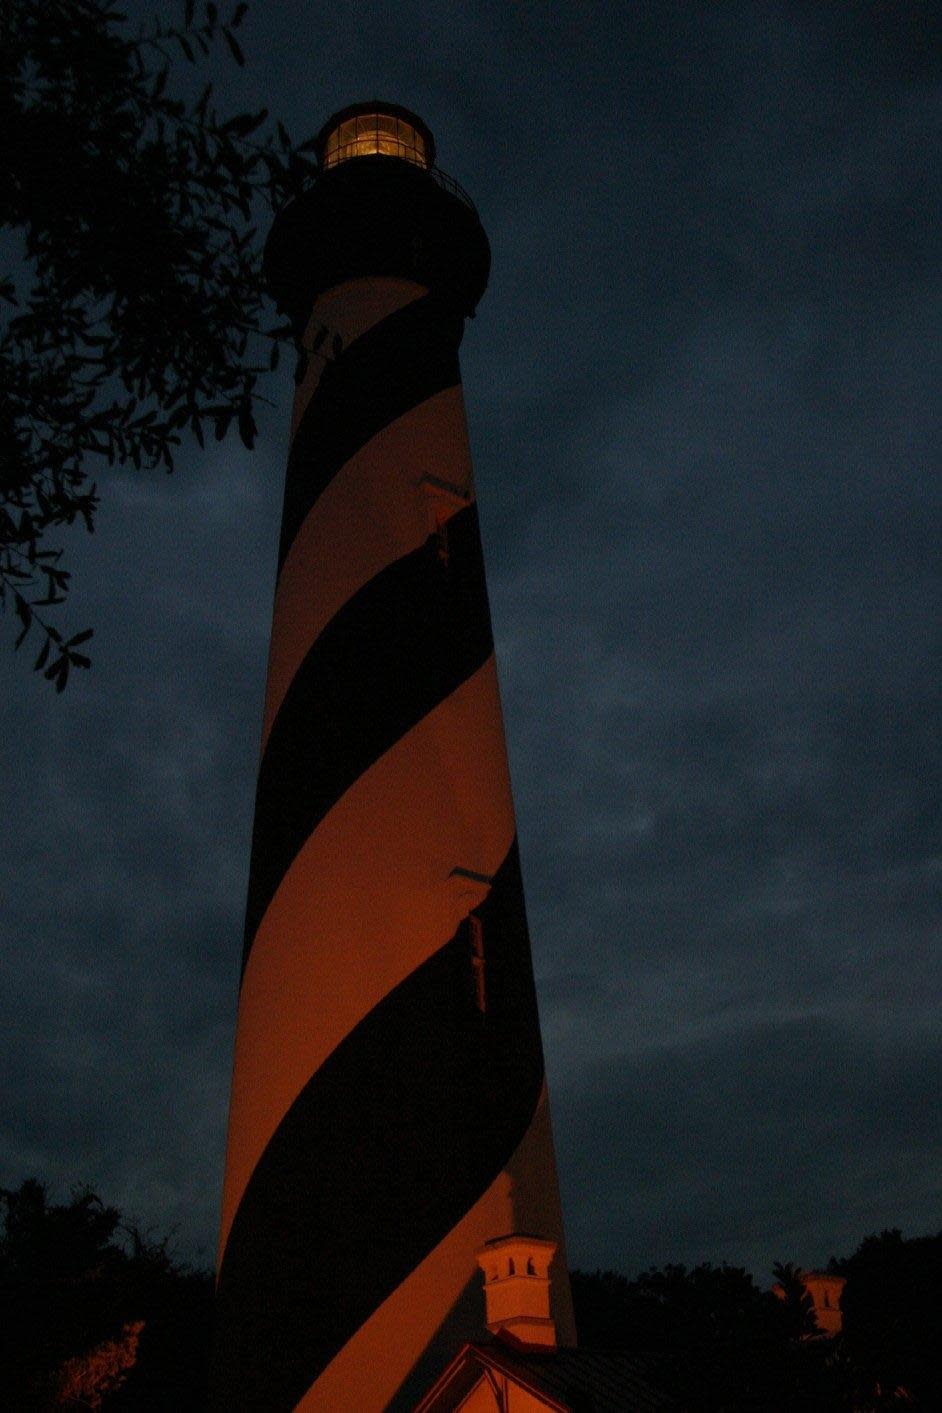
[(132, 311)]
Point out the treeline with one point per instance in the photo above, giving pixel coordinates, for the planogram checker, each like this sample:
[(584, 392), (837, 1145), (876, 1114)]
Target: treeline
[(96, 1314), (715, 1339)]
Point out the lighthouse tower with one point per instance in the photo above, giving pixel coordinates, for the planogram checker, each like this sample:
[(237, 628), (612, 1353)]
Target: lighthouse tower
[(388, 1114)]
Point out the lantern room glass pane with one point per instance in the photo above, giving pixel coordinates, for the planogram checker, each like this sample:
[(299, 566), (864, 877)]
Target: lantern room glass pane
[(372, 134)]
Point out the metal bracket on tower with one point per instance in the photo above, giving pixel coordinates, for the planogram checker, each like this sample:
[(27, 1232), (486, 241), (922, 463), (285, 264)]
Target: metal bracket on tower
[(435, 485), (487, 878), (469, 888)]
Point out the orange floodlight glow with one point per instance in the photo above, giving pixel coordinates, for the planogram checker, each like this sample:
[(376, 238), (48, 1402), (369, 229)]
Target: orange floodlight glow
[(388, 1110)]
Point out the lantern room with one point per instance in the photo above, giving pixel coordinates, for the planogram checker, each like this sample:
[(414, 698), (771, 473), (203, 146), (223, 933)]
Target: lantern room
[(375, 130)]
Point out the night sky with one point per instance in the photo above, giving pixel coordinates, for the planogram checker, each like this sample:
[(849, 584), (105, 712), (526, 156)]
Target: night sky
[(703, 394)]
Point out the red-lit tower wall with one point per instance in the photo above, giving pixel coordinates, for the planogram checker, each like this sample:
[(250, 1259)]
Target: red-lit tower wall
[(388, 1111)]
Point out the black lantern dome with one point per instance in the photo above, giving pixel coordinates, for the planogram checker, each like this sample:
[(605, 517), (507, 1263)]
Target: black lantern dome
[(378, 206)]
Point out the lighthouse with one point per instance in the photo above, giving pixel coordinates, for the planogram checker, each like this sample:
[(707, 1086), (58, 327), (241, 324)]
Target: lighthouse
[(388, 1115)]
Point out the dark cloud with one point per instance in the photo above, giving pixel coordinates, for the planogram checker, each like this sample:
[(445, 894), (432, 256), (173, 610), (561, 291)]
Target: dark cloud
[(702, 393), (758, 1139)]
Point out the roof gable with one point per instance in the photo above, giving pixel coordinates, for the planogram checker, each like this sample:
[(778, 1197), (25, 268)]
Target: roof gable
[(562, 1380)]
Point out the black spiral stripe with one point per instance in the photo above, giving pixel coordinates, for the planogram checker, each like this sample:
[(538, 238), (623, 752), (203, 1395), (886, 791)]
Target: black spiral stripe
[(417, 1109), (398, 363), (395, 651), (431, 1099)]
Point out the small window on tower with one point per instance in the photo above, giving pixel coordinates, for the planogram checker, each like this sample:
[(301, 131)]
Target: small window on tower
[(443, 498)]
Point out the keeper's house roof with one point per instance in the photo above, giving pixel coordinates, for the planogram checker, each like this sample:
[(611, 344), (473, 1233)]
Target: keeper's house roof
[(564, 1380)]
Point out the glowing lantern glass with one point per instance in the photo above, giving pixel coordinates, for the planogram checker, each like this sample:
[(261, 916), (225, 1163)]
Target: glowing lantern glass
[(375, 134)]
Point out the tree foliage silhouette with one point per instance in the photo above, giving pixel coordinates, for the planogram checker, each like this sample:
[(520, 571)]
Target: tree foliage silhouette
[(797, 1304), (717, 1341), (133, 308), (892, 1311), (93, 1313), (711, 1332)]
